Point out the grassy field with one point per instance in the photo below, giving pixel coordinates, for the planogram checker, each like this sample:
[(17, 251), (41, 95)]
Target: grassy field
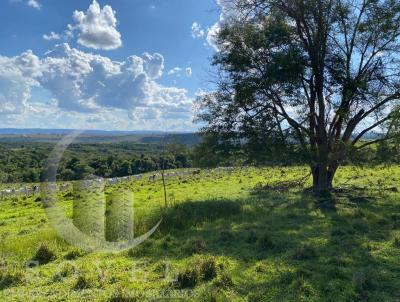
[(243, 235)]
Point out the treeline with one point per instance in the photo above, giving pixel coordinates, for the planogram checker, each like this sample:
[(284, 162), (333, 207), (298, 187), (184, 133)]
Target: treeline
[(216, 150), (27, 163)]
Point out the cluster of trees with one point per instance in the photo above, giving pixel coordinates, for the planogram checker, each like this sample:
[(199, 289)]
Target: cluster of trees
[(216, 150), (26, 163), (320, 74), (78, 168)]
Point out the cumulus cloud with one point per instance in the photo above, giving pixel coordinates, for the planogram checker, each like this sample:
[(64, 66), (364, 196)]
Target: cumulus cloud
[(197, 30), (83, 82), (212, 35), (17, 77), (179, 72), (51, 36), (34, 3), (228, 11), (97, 27)]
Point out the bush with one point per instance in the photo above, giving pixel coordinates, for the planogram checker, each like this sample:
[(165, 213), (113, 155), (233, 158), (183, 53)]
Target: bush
[(204, 269), (208, 269), (44, 255), (84, 281), (73, 254), (188, 278), (223, 281)]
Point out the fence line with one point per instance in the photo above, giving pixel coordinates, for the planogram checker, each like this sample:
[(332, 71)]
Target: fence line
[(35, 189)]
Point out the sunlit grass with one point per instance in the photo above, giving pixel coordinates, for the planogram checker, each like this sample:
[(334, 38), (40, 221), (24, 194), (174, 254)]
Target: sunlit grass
[(280, 244)]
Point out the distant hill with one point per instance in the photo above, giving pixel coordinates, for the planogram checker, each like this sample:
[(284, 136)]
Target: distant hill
[(15, 135), (40, 131)]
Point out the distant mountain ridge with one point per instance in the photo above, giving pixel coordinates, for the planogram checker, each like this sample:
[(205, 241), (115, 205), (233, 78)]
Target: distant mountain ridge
[(41, 131), (16, 135)]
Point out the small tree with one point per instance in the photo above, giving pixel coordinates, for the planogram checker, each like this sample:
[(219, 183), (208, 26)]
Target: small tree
[(320, 73)]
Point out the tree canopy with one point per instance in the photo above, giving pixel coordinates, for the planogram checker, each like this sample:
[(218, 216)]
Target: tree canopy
[(318, 73)]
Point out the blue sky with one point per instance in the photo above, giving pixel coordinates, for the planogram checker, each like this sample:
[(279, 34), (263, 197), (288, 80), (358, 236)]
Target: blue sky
[(126, 64)]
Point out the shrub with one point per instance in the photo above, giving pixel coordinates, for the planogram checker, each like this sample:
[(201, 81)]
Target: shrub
[(208, 269), (73, 254), (44, 255), (223, 281), (84, 281), (204, 269), (187, 278)]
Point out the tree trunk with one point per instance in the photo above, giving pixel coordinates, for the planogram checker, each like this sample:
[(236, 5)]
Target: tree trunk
[(323, 177)]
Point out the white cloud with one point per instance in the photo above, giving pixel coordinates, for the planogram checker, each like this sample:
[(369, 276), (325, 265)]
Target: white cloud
[(51, 36), (212, 35), (79, 82), (17, 77), (179, 72), (197, 30), (97, 27), (228, 12), (34, 3), (175, 71), (153, 65)]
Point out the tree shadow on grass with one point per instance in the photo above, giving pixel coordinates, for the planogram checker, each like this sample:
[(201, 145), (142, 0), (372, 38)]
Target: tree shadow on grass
[(326, 251)]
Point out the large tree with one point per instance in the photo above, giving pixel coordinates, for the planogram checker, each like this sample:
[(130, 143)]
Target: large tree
[(318, 73)]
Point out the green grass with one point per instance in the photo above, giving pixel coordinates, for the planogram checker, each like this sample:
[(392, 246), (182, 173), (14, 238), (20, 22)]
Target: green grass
[(226, 236)]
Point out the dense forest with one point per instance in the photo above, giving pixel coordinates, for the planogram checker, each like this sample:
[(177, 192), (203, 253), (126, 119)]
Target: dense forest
[(25, 161)]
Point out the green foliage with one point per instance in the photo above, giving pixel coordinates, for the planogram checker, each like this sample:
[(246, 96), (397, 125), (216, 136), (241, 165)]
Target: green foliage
[(203, 269), (25, 163), (43, 254), (85, 281), (309, 75)]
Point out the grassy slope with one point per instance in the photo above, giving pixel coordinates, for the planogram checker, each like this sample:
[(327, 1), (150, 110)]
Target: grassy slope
[(227, 239)]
